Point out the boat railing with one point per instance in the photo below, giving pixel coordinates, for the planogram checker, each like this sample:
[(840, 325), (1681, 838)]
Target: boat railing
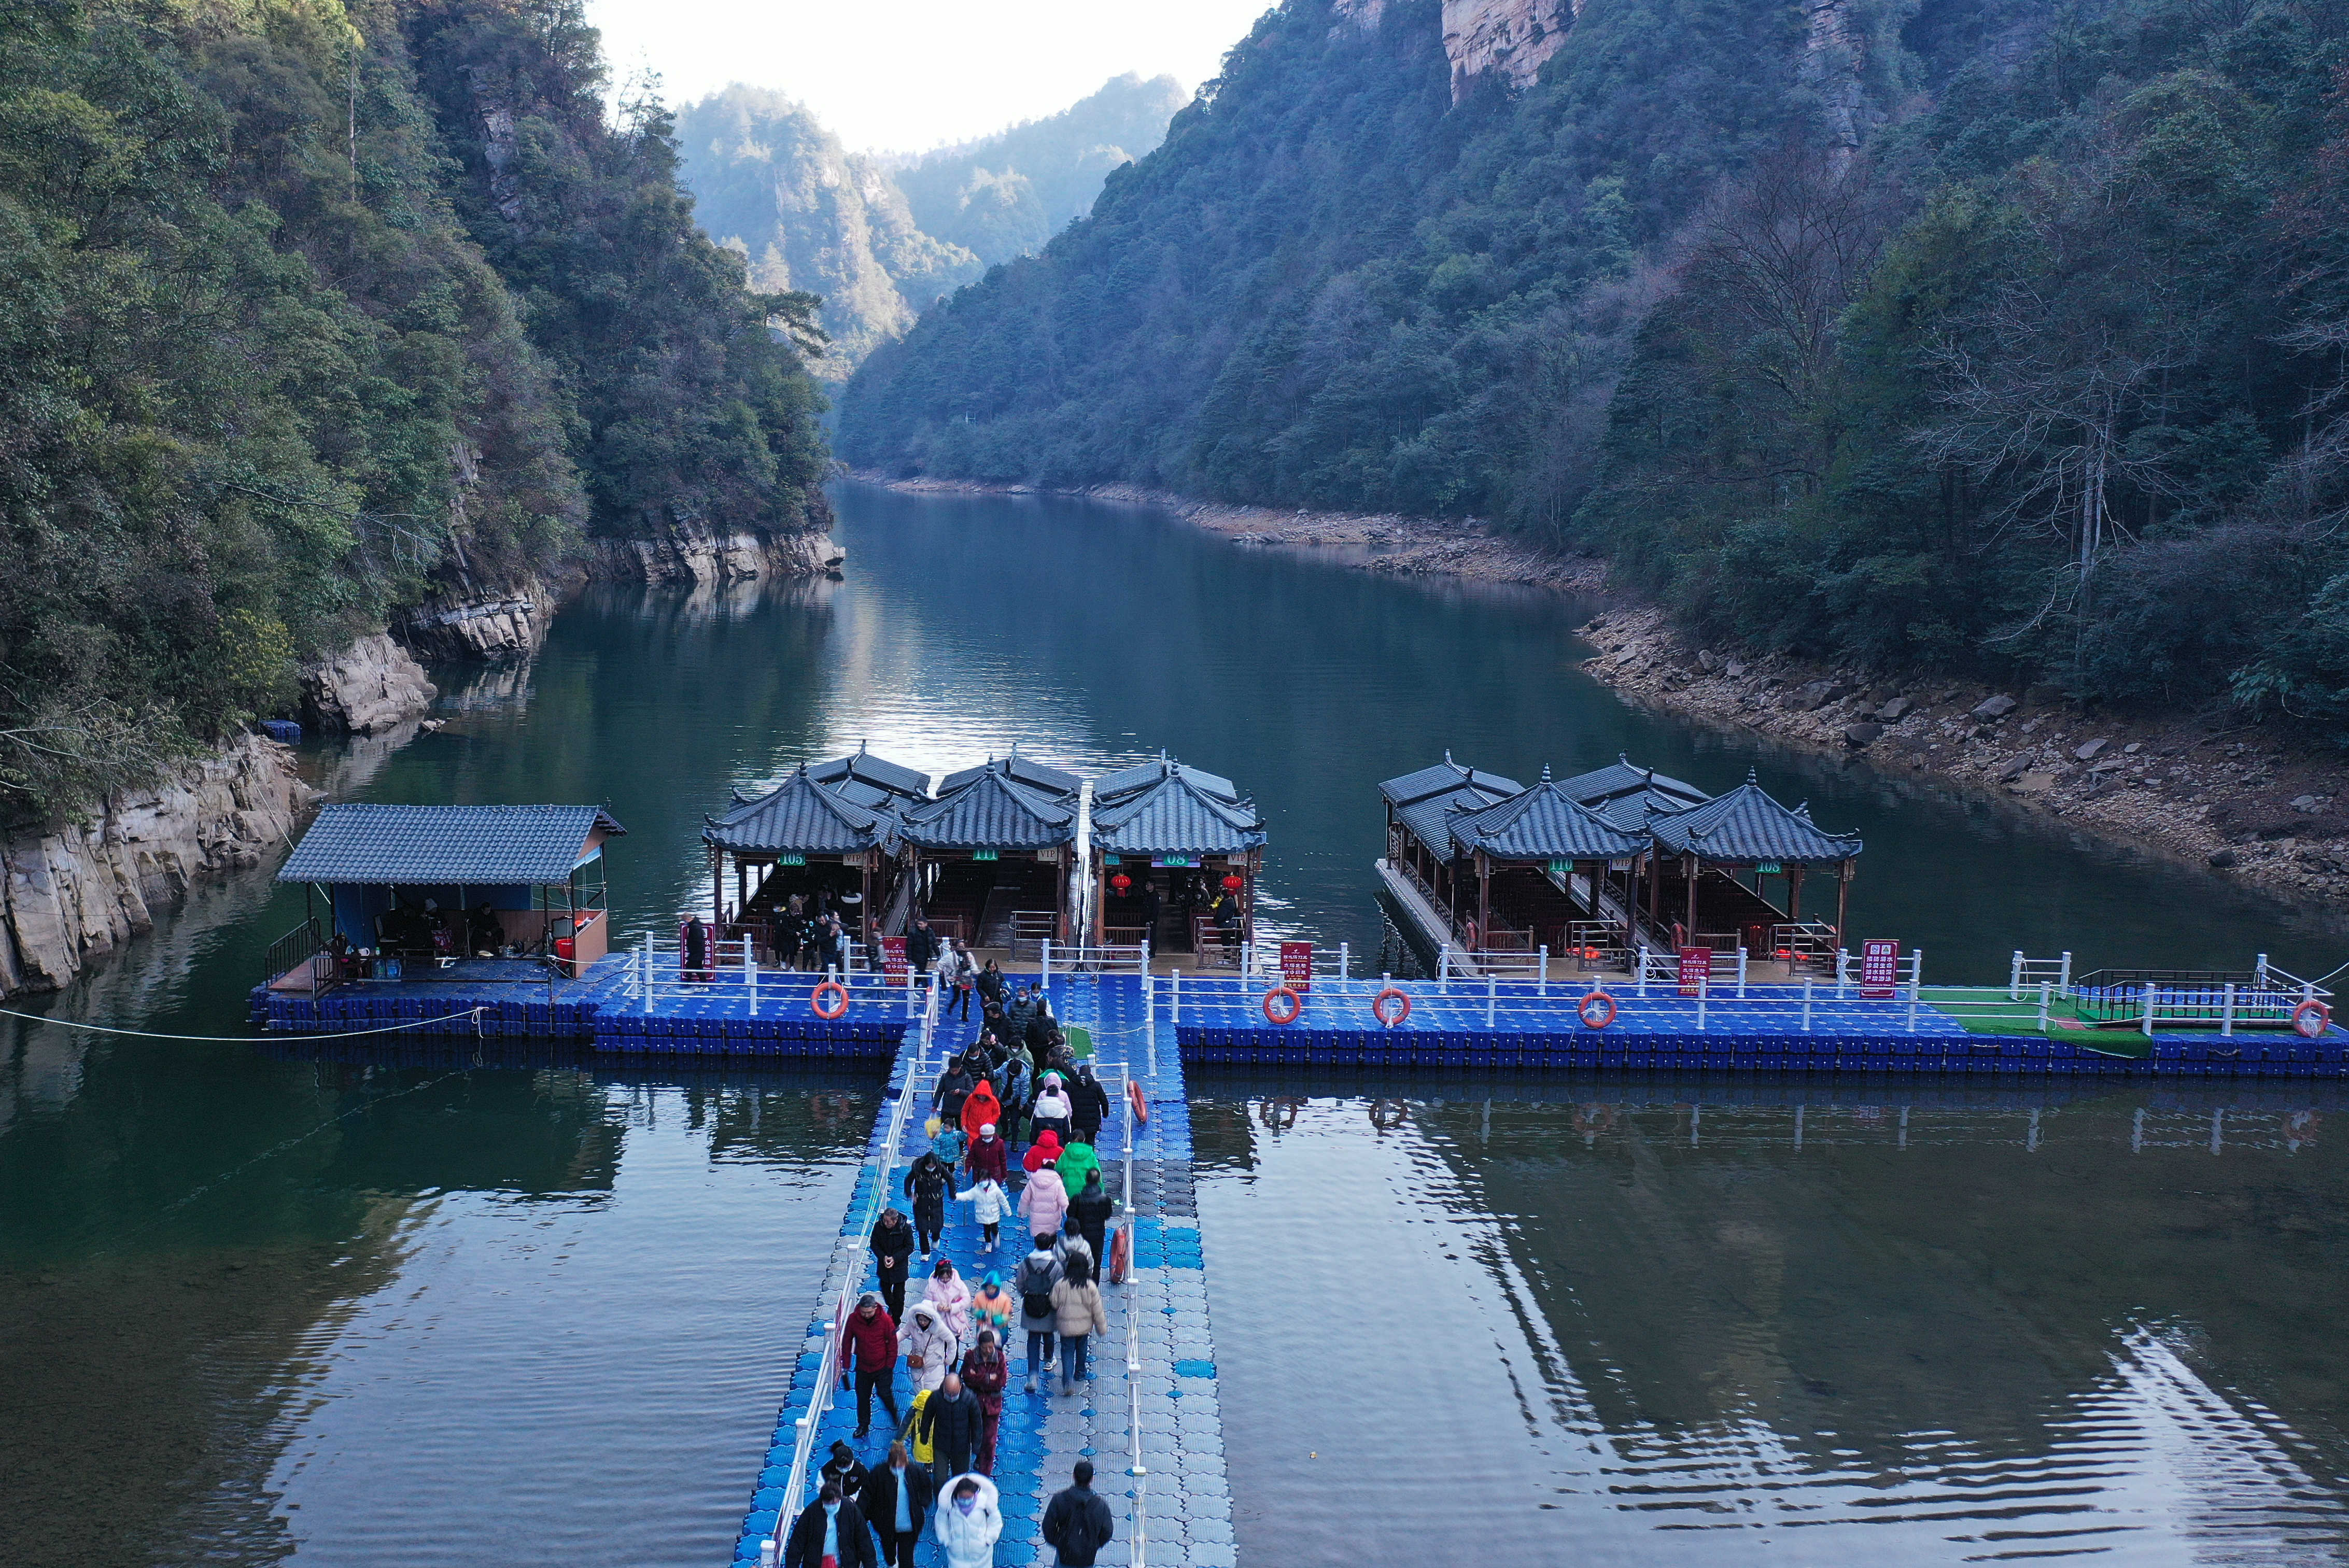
[(2262, 996), (1725, 970), (1805, 944), (1507, 963), (854, 1246), (301, 949), (1105, 959)]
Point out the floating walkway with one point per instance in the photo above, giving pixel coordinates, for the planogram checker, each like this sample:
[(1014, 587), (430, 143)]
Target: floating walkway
[(1151, 1405)]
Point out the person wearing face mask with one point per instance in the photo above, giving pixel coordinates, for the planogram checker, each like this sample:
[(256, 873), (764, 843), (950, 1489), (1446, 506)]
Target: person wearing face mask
[(896, 1500), (968, 1522), (831, 1534)]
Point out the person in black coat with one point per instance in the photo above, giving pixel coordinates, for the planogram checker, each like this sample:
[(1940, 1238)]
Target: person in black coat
[(928, 1184), (845, 1471), (852, 1542), (900, 1477), (1088, 1105), (1089, 1216), (951, 1420), (954, 1087), (893, 1248), (1077, 1523), (921, 946)]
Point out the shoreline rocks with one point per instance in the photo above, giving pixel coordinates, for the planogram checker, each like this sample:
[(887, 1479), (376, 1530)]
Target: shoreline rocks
[(70, 891), (371, 686)]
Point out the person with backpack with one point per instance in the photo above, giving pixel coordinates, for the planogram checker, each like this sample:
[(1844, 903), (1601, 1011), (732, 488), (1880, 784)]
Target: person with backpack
[(1078, 1315), (928, 1184), (1076, 1521), (1032, 1282)]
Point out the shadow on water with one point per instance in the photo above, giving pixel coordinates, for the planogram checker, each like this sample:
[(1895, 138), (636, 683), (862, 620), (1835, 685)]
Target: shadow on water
[(1679, 1322)]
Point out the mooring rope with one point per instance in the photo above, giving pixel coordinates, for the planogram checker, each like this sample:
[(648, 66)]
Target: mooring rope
[(473, 1013)]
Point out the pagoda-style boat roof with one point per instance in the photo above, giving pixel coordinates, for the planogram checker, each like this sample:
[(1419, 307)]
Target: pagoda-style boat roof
[(1543, 823), (803, 816), (995, 808), (1163, 808), (1748, 826)]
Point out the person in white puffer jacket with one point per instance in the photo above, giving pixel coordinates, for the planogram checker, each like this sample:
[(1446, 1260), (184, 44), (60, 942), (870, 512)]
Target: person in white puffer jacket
[(968, 1521), (926, 1336)]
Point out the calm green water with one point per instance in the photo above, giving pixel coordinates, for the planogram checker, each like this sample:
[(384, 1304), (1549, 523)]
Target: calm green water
[(400, 1308)]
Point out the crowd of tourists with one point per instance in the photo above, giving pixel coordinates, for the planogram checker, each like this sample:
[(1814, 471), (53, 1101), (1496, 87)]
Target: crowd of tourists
[(1013, 1122)]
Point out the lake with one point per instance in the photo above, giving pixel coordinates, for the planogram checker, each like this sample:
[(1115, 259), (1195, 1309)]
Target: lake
[(397, 1306)]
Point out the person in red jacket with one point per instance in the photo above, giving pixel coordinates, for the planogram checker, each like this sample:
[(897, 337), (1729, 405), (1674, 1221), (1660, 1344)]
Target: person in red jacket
[(1045, 1151), (982, 1109), (990, 1157), (873, 1335)]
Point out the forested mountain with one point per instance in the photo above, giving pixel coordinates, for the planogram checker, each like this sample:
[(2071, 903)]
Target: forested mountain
[(880, 241), (2000, 334), (313, 313), (1005, 195), (773, 184)]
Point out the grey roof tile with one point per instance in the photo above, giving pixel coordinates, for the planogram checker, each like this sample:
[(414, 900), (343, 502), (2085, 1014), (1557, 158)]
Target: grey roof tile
[(441, 846), (1624, 776), (1747, 824), (992, 812), (1021, 769), (877, 771), (801, 816), (1543, 823), (1182, 812), (1444, 777), (1113, 787)]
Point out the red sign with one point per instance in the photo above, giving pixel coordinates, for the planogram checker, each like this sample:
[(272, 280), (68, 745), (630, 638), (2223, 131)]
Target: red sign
[(1696, 967), (1880, 970), (893, 959), (1296, 965)]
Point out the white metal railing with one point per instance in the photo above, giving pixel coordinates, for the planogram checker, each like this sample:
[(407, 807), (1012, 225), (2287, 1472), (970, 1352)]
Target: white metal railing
[(1529, 963), (1725, 971), (1907, 968), (1805, 941), (1474, 1002), (654, 975), (1140, 1543), (2267, 977), (795, 1494), (1263, 959), (2026, 974), (1104, 958), (2227, 1003)]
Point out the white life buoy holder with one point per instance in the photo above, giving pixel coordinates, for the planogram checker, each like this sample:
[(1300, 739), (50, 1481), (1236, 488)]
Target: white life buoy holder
[(1379, 1010), (1597, 1011)]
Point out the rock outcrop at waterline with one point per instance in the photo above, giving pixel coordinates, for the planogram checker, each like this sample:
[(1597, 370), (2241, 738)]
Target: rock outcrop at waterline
[(691, 551), (72, 891), (371, 686), (498, 626)]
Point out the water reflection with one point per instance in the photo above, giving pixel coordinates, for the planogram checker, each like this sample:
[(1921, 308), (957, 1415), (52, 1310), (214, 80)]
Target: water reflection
[(1661, 1325)]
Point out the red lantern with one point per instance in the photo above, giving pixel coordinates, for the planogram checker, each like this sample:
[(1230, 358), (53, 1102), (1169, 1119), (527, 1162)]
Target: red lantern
[(1120, 882), (1232, 883)]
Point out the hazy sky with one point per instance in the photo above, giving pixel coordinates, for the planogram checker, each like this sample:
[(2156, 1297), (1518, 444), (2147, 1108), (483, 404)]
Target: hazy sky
[(908, 74)]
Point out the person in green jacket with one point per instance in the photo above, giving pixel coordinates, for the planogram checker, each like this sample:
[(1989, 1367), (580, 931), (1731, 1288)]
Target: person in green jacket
[(1076, 1162)]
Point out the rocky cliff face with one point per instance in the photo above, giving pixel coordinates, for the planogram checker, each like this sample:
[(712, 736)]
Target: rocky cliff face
[(371, 686), (693, 550), (70, 891), (493, 627), (1510, 38)]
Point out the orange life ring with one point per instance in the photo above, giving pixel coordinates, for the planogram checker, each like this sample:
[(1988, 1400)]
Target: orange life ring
[(1379, 1006), (1287, 1014), (1596, 1010), (1140, 1101), (1120, 1254), (815, 999), (2310, 1019)]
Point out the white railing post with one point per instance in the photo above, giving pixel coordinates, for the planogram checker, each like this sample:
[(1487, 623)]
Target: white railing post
[(1806, 1004), (2260, 973), (1912, 1004), (2227, 1017), (2064, 975), (750, 976), (1542, 975), (1704, 990), (1174, 996), (2148, 1012), (2045, 995), (1444, 963), (1345, 962), (1843, 961), (1741, 972), (2014, 977), (1491, 995), (1044, 981), (644, 976), (1643, 971)]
